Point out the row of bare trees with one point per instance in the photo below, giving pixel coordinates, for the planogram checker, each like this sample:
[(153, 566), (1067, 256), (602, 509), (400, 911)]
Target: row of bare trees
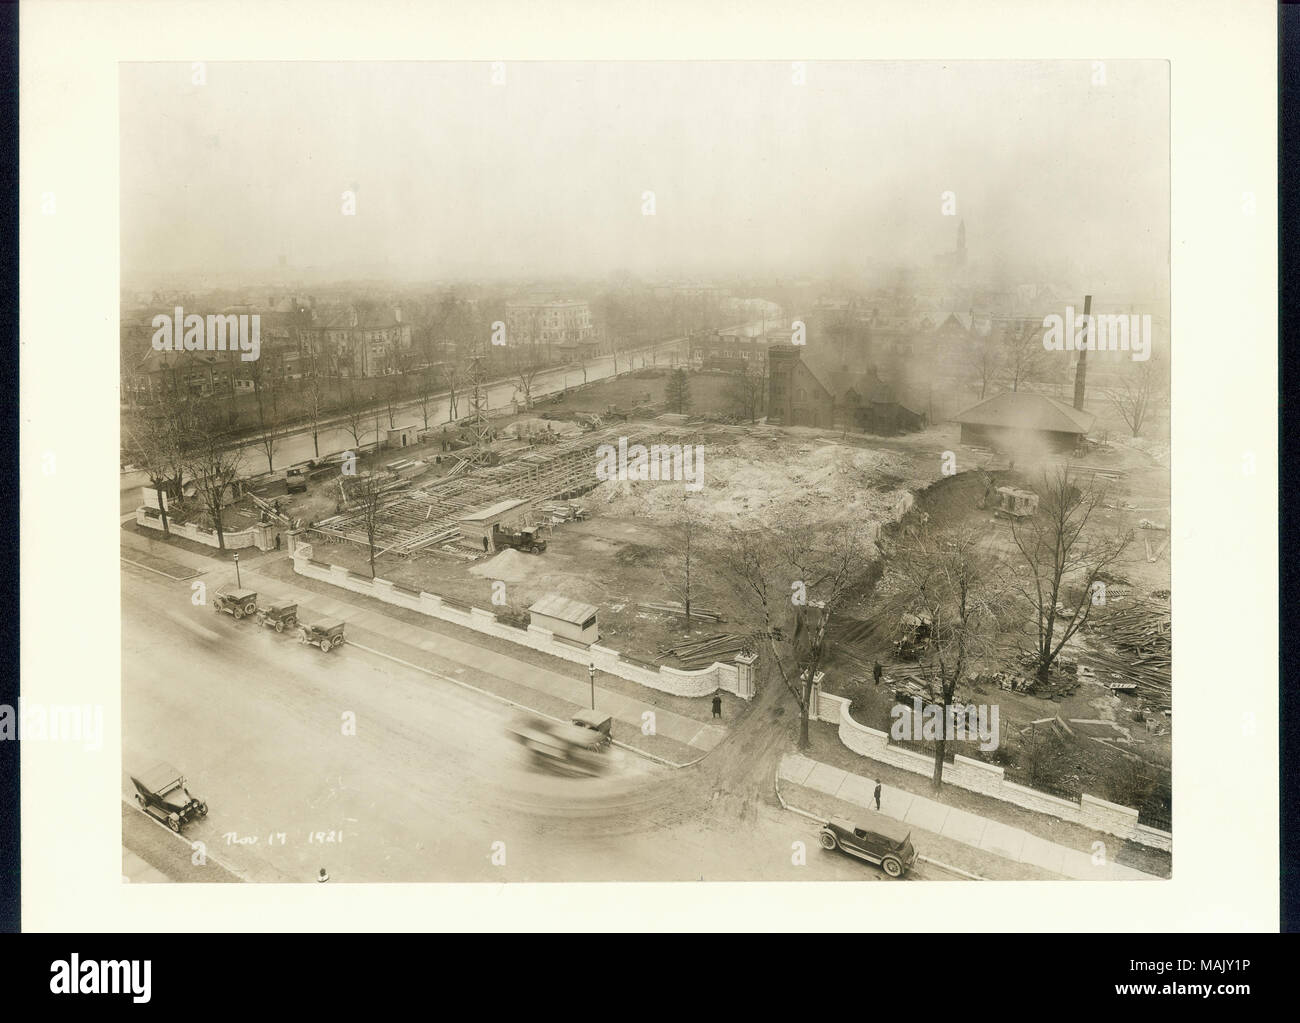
[(178, 440), (795, 578)]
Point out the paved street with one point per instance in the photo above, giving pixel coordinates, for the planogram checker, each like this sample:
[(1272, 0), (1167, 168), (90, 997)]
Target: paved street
[(298, 446), (425, 787)]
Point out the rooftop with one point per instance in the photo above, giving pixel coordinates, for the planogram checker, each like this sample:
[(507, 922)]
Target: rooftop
[(1024, 410), (554, 606)]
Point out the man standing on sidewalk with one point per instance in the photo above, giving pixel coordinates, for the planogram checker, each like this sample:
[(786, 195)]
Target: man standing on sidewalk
[(717, 705), (877, 794)]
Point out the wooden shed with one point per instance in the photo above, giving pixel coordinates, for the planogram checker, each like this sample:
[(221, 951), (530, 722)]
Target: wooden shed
[(477, 527), (571, 619)]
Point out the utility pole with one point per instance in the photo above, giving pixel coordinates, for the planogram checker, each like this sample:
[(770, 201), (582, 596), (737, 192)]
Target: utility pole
[(591, 673)]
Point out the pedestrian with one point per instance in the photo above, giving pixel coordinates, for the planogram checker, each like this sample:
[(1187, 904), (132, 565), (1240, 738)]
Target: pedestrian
[(876, 672), (877, 794), (717, 706), (485, 544), (323, 876)]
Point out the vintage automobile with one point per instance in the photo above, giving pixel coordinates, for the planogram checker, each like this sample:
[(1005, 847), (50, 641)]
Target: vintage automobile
[(883, 842), (160, 790), (235, 602), (597, 724), (279, 615), (561, 748), (295, 480), (326, 634)]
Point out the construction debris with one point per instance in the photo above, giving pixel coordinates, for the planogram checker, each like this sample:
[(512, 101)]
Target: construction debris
[(672, 607)]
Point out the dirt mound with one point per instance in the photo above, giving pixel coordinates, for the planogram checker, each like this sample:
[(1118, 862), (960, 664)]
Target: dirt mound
[(509, 566)]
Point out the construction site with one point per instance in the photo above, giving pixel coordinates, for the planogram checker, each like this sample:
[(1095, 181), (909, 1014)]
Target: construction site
[(503, 512)]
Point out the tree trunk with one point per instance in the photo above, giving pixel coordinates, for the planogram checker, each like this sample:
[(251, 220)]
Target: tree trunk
[(162, 508), (221, 534), (940, 747), (315, 441)]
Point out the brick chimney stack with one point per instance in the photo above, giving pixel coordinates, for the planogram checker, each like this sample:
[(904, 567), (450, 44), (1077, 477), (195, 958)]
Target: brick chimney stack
[(1081, 367)]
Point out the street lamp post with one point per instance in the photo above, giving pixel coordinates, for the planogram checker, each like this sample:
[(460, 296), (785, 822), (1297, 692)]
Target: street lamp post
[(591, 672), (237, 582)]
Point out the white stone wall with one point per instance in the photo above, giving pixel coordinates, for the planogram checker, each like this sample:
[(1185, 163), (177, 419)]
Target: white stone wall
[(989, 779), (704, 682), (235, 539)]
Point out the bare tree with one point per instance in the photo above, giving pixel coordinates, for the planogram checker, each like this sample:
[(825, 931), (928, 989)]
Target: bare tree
[(213, 465), (953, 581), (525, 368), (151, 444), (355, 417), (451, 377), (1022, 351), (984, 357), (394, 386), (683, 550), (1132, 397), (366, 494), (426, 391), (268, 420), (1064, 560), (314, 403), (790, 580), (747, 391)]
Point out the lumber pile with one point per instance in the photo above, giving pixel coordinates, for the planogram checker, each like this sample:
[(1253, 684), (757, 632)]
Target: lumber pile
[(700, 653), (1141, 632), (672, 607)]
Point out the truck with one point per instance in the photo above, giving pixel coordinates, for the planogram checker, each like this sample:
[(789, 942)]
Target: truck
[(526, 539)]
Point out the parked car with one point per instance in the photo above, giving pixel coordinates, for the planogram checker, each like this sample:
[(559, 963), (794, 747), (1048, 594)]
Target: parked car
[(326, 635), (883, 842), (161, 793), (279, 615), (235, 602)]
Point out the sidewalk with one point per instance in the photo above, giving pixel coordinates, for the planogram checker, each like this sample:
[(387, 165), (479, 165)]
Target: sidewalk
[(958, 825)]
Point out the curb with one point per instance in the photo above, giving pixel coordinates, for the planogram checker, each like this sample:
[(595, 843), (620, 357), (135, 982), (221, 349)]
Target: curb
[(511, 703), (238, 872), (165, 575)]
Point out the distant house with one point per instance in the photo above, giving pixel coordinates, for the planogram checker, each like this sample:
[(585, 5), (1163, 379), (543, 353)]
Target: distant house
[(814, 385), (1020, 418)]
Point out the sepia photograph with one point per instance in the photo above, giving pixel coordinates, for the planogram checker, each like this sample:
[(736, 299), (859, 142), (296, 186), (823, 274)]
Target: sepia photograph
[(613, 470)]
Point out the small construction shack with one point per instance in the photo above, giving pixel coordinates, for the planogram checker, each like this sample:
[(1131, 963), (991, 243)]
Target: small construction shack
[(477, 527), (570, 619), (402, 437)]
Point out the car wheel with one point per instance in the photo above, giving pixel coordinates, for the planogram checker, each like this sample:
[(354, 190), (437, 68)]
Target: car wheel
[(174, 824), (279, 626), (239, 613), (827, 840), (302, 635), (203, 809), (250, 609), (325, 646), (892, 867)]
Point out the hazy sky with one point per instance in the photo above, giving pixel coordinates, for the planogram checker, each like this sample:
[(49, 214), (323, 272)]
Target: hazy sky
[(544, 174)]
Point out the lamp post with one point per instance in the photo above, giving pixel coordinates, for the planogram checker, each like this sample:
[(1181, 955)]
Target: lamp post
[(237, 582), (591, 672)]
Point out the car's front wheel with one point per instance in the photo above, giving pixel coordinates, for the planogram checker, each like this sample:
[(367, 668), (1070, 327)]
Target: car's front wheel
[(203, 809), (827, 840), (239, 613), (174, 823), (325, 646), (279, 626), (892, 867)]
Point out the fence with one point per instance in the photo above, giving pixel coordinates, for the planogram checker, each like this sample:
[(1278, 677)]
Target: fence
[(737, 679), (988, 779)]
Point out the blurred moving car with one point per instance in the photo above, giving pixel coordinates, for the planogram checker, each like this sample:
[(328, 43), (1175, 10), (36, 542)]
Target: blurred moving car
[(562, 748), (884, 842)]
